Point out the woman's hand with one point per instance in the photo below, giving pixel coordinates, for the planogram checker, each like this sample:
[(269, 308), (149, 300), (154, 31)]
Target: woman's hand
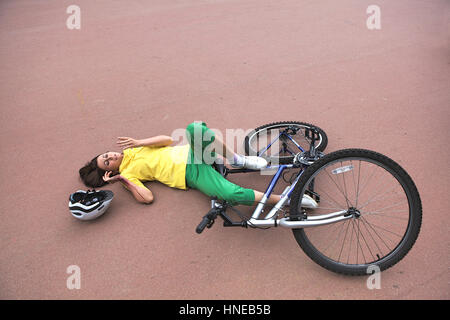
[(107, 177), (125, 142)]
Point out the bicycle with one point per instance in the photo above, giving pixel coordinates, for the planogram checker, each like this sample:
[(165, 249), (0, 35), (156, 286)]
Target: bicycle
[(351, 229)]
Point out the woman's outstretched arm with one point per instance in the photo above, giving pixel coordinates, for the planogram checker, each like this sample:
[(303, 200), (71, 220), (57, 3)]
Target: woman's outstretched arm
[(157, 141)]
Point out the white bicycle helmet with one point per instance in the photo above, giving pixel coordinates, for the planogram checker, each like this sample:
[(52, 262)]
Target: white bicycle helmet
[(90, 204)]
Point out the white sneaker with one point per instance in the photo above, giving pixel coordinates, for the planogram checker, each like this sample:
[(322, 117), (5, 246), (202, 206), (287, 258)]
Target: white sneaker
[(252, 162), (307, 202)]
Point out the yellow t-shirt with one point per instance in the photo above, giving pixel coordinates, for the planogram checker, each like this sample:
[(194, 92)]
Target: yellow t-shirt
[(164, 164)]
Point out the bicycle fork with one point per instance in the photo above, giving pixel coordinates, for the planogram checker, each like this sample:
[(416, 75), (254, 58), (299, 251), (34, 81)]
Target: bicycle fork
[(270, 219)]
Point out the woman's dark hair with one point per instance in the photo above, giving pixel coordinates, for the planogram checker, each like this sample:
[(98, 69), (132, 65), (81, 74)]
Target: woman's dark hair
[(92, 175)]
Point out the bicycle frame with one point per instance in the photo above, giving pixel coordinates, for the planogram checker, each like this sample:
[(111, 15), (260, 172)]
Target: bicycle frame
[(283, 133), (271, 220)]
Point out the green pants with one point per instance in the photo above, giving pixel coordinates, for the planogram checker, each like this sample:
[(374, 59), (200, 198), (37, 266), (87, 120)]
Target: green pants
[(202, 176)]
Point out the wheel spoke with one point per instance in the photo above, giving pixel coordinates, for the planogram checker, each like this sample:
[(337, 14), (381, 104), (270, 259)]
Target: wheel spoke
[(379, 197), (359, 244), (368, 213), (339, 188), (367, 181), (371, 236), (381, 228), (331, 198), (343, 241)]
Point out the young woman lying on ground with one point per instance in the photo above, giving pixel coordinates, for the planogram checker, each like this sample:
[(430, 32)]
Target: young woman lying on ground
[(179, 167)]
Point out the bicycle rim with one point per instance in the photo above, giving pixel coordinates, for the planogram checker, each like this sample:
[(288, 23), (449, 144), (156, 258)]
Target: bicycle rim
[(283, 149), (385, 206)]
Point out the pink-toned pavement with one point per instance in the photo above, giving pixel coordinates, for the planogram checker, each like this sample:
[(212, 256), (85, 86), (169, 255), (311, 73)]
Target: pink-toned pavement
[(142, 68)]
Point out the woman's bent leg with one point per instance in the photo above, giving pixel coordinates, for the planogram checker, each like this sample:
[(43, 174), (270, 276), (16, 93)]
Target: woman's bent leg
[(213, 184), (200, 138), (273, 199), (205, 178), (221, 148)]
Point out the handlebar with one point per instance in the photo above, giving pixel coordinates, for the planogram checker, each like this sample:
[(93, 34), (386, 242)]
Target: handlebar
[(207, 220), (202, 225)]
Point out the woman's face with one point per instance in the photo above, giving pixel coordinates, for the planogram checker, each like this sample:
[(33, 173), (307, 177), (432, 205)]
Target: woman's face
[(110, 161)]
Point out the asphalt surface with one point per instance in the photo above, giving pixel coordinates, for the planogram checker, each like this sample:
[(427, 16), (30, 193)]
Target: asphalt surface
[(143, 68)]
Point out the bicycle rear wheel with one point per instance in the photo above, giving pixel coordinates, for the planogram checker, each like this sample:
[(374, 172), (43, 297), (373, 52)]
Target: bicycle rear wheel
[(266, 141), (384, 202)]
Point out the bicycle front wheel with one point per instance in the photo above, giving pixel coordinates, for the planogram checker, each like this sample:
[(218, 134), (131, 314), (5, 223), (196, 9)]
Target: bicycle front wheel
[(279, 142), (382, 199)]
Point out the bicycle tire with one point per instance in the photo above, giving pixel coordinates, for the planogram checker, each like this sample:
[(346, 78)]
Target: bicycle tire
[(414, 211), (249, 150)]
